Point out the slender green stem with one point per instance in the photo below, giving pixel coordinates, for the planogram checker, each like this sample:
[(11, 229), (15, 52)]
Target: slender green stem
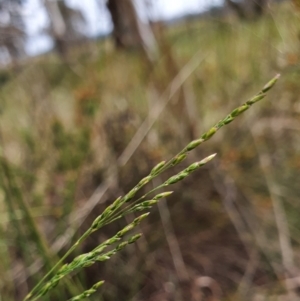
[(44, 251), (61, 260), (91, 257)]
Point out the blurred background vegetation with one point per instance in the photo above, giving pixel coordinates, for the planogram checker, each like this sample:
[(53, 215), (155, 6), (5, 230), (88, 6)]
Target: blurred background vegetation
[(84, 122)]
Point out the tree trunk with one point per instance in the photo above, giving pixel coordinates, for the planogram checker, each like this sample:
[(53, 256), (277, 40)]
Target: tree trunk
[(58, 26), (129, 31), (256, 7), (237, 8), (248, 9)]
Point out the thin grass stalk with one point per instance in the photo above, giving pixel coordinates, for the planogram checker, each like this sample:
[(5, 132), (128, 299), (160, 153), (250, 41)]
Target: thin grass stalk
[(87, 259), (40, 242), (228, 119), (83, 261), (157, 170), (181, 156), (35, 233), (162, 166), (11, 211), (142, 205)]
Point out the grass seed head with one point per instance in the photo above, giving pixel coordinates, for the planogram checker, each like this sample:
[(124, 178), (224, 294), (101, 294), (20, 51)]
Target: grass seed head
[(256, 99), (162, 195), (178, 159), (209, 134), (194, 144), (157, 168), (270, 84)]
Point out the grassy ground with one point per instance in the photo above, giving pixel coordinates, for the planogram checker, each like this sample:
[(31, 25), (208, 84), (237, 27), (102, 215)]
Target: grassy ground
[(64, 128)]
